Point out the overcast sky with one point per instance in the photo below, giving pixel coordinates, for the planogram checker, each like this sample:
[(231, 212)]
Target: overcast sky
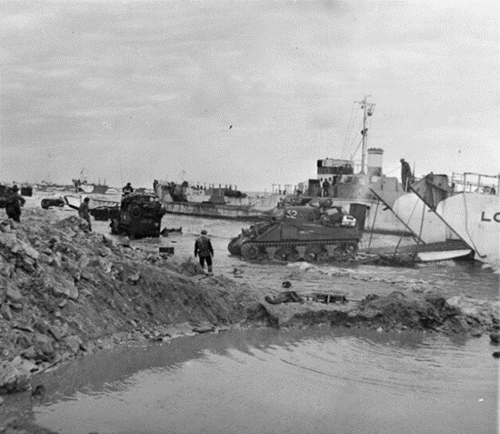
[(136, 91)]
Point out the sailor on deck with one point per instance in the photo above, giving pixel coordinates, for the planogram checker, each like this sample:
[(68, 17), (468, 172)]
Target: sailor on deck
[(406, 176)]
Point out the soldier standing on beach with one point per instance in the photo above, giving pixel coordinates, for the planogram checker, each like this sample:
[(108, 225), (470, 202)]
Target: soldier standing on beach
[(13, 206), (203, 249), (83, 211)]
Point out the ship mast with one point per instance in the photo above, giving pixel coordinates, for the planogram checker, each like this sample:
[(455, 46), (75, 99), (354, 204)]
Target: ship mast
[(367, 108)]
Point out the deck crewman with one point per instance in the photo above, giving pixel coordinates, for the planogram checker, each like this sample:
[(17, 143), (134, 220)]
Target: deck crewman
[(406, 176)]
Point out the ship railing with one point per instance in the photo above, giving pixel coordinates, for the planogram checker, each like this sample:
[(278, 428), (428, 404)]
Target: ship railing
[(470, 182)]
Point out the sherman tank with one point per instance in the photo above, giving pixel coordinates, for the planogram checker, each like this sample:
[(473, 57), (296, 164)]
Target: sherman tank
[(300, 232)]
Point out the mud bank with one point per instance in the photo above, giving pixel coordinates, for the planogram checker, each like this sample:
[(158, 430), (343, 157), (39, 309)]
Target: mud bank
[(397, 311), (66, 292)]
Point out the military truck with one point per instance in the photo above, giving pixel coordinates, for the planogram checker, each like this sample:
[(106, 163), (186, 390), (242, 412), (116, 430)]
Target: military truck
[(140, 216)]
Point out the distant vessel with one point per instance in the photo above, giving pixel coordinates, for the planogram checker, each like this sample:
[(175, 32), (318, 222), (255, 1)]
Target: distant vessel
[(211, 201)]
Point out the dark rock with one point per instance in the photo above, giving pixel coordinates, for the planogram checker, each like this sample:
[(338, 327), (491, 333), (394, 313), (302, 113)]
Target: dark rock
[(29, 353), (22, 341), (58, 332), (14, 295), (6, 313), (73, 292), (134, 278), (16, 306), (44, 348), (73, 343), (39, 391), (41, 326), (13, 378), (204, 327), (125, 242), (495, 338), (496, 354), (23, 327)]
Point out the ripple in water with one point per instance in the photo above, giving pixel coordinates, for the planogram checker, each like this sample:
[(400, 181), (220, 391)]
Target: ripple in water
[(313, 380)]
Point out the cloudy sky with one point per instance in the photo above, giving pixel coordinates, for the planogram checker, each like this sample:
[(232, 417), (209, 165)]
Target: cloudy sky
[(133, 91)]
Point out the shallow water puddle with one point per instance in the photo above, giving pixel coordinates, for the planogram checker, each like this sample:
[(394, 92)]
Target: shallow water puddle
[(301, 381)]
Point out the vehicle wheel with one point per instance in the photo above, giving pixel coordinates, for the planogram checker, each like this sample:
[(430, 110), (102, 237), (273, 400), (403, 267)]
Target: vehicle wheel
[(292, 255), (249, 251), (280, 254), (135, 212), (311, 253), (322, 256), (350, 250)]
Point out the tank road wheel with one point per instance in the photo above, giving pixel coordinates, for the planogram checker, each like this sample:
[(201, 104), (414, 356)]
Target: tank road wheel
[(350, 250), (335, 252), (322, 256), (249, 251), (310, 253), (280, 254), (292, 255)]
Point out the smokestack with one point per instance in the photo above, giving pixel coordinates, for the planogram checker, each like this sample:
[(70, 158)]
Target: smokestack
[(375, 158)]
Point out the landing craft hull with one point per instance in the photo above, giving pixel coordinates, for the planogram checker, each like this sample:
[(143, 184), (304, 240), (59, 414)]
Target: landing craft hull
[(476, 219), (231, 212), (473, 218)]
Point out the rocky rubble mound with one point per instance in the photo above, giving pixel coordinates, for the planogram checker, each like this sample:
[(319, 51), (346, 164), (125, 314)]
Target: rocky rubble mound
[(62, 287)]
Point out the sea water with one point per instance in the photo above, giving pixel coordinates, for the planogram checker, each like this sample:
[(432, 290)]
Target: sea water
[(314, 380)]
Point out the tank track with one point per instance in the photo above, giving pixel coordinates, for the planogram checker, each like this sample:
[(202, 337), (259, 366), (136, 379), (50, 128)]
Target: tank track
[(315, 251)]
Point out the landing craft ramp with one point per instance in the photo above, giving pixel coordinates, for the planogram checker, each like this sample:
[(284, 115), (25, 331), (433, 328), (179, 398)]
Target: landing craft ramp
[(440, 251), (435, 240)]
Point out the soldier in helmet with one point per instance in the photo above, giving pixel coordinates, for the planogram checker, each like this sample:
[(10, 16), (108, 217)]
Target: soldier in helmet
[(83, 211), (127, 189), (13, 205), (203, 249)]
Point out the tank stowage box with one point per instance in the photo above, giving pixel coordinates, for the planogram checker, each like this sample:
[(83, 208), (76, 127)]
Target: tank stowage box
[(300, 232)]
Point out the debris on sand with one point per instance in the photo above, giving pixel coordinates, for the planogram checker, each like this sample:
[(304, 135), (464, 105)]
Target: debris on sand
[(393, 312)]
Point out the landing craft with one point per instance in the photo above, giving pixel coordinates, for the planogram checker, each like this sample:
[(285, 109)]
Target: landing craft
[(467, 209)]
